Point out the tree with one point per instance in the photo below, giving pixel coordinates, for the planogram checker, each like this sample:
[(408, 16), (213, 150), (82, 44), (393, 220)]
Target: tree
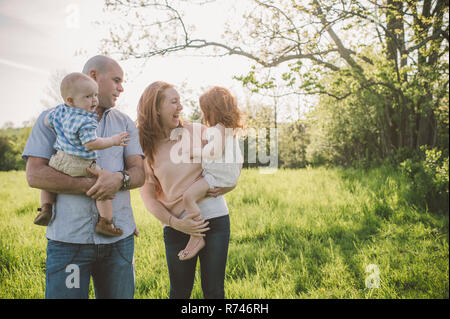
[(52, 91), (292, 144), (10, 153), (391, 55), (8, 125), (7, 159)]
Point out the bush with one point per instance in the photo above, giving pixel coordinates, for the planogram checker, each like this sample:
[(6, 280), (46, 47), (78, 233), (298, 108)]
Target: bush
[(7, 155), (12, 143), (429, 174), (292, 143)]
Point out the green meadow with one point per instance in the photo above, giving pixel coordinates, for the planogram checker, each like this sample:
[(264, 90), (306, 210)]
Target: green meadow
[(308, 233)]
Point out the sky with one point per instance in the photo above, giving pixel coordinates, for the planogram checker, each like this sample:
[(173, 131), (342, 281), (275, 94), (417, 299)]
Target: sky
[(40, 37)]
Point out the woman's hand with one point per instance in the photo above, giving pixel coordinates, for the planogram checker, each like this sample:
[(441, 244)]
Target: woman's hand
[(190, 224)]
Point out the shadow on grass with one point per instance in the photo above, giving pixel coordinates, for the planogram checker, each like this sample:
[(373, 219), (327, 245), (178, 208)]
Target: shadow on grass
[(310, 247)]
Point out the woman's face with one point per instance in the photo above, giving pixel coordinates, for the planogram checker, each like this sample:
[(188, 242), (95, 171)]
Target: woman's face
[(170, 109)]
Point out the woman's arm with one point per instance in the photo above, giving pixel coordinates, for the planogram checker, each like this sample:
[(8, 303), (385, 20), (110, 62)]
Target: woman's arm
[(186, 225)]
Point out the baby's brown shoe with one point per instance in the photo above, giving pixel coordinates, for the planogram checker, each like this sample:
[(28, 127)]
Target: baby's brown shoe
[(106, 227), (44, 216)]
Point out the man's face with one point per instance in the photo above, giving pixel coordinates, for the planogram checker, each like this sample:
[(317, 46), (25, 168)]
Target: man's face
[(109, 85)]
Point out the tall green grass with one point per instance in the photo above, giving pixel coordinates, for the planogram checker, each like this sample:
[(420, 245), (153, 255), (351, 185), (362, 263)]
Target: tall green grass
[(306, 233)]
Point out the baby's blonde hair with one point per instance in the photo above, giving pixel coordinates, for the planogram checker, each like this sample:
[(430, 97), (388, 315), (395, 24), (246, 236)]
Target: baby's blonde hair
[(71, 82)]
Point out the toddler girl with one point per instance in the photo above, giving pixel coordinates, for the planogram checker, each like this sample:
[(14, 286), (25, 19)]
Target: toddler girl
[(221, 156)]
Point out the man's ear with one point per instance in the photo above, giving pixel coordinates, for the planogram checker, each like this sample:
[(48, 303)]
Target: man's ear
[(93, 74)]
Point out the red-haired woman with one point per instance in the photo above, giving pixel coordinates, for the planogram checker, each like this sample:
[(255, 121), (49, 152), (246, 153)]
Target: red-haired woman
[(166, 181)]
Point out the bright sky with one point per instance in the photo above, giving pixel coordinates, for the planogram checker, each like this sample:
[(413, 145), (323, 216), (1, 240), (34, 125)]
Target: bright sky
[(40, 37)]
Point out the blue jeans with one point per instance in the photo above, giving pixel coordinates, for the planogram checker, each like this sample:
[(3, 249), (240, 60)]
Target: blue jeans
[(70, 266), (213, 259)]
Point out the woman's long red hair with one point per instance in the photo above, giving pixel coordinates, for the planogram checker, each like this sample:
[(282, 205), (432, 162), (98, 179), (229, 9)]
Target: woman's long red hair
[(148, 123)]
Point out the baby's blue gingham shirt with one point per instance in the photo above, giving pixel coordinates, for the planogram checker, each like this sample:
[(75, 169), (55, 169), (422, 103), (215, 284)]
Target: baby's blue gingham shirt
[(74, 127)]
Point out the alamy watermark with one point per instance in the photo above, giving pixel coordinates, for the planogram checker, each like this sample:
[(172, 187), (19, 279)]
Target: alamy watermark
[(73, 277), (261, 147), (373, 280)]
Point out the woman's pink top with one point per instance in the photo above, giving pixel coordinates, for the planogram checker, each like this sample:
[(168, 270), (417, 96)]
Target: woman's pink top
[(174, 176)]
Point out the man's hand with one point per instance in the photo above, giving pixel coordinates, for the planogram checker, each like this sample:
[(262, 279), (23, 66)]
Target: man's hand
[(217, 191), (106, 186)]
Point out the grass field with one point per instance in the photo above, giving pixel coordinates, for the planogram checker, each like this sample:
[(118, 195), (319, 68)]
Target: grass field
[(307, 233)]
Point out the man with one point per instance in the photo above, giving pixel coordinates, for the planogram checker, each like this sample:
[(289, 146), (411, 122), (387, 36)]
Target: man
[(75, 252)]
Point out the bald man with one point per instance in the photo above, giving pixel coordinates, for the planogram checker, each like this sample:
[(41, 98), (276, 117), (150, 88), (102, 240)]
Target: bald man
[(75, 252)]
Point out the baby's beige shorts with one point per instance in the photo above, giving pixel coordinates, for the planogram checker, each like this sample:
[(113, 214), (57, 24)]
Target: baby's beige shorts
[(72, 165)]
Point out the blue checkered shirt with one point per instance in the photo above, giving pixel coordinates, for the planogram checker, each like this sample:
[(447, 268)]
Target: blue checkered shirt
[(74, 127)]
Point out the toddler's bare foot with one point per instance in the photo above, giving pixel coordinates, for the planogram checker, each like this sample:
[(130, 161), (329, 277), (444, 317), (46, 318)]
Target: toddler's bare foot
[(194, 245)]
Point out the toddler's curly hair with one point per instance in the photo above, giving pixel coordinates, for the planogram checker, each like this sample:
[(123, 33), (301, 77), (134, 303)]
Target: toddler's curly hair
[(220, 106)]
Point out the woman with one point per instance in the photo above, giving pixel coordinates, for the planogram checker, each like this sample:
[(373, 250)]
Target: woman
[(166, 180)]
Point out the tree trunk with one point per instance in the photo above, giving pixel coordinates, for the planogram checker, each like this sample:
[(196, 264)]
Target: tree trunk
[(394, 116), (426, 121)]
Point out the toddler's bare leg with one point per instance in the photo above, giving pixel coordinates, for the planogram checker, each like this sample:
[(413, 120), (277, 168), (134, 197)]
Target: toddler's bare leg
[(45, 211), (105, 225), (196, 192)]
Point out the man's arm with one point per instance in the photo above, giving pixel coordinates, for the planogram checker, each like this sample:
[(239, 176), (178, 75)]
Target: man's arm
[(134, 165), (109, 183), (40, 175)]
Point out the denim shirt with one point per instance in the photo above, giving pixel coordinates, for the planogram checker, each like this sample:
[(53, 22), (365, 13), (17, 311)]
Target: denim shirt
[(75, 216)]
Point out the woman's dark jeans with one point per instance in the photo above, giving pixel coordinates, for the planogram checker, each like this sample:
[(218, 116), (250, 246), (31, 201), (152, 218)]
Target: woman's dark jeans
[(213, 259)]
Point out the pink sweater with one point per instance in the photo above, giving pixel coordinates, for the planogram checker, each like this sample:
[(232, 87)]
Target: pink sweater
[(173, 178)]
